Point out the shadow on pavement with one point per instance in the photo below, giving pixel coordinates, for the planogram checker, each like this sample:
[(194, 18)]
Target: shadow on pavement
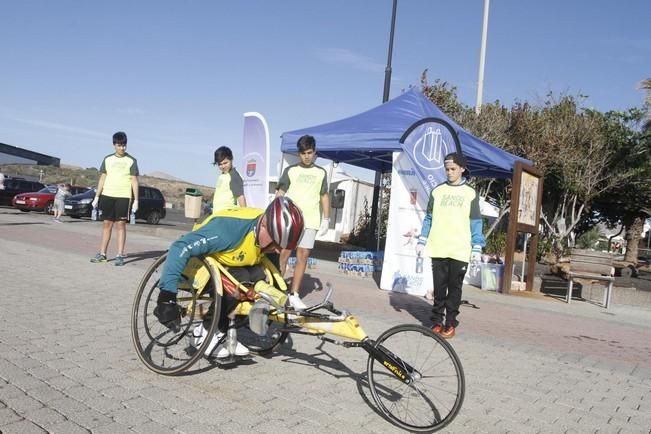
[(140, 256), (22, 223), (417, 307), (309, 284), (325, 362)]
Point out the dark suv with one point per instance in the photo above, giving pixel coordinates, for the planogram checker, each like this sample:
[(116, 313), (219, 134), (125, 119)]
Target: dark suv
[(14, 186), (151, 204)]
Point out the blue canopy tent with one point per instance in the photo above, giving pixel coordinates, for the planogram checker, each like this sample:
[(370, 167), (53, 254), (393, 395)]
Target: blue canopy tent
[(369, 139)]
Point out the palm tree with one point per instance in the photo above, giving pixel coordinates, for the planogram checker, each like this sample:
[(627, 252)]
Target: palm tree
[(646, 85)]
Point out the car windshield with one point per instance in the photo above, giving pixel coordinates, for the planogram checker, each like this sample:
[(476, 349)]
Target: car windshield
[(47, 190)]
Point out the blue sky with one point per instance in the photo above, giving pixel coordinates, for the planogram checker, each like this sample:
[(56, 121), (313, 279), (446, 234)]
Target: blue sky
[(177, 76)]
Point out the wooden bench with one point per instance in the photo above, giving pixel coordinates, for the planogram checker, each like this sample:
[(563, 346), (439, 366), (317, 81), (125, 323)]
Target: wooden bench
[(587, 264)]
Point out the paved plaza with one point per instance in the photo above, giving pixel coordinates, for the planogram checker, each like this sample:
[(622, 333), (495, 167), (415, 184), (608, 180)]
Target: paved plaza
[(67, 365)]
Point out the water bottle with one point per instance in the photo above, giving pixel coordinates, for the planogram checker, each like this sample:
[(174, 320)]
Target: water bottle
[(93, 213), (231, 339), (132, 219), (419, 264)]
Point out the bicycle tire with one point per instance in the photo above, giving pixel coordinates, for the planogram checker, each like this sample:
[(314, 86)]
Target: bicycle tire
[(161, 349), (435, 397)]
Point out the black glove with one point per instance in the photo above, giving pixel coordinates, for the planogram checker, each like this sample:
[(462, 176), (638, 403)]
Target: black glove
[(167, 311)]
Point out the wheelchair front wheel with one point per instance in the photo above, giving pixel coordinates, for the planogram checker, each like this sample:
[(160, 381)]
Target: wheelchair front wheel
[(170, 350), (434, 397)]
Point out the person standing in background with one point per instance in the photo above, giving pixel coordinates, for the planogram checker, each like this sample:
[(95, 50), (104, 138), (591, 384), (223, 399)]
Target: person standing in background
[(452, 236), (118, 184), (307, 185), (63, 191), (229, 189)]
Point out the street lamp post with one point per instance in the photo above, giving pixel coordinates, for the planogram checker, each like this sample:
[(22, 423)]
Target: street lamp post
[(482, 58), (378, 174)]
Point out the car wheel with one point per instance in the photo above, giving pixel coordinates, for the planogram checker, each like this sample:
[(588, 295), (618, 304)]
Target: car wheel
[(153, 218), (49, 208)]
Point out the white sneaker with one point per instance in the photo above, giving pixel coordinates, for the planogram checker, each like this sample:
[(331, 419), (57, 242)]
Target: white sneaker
[(198, 335), (220, 351), (296, 302)]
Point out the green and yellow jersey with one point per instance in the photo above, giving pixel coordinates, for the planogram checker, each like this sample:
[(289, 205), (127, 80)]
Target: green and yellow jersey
[(228, 188), (305, 185), (119, 171), (227, 235), (452, 223)]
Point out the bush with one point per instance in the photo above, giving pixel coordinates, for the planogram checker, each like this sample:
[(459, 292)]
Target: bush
[(496, 244), (589, 239)]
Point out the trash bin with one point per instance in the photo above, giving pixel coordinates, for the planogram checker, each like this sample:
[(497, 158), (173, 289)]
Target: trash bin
[(491, 277), (193, 201)]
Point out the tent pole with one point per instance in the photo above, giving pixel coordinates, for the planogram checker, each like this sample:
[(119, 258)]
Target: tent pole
[(378, 174)]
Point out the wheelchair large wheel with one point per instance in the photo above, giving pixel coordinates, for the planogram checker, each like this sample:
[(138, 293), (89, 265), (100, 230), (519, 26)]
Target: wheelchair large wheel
[(170, 350), (262, 345), (435, 396)]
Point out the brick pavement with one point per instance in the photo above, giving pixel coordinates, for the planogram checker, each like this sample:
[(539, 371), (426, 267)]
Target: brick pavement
[(67, 363)]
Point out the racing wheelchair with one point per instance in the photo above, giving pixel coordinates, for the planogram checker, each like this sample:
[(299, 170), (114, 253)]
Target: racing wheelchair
[(415, 376)]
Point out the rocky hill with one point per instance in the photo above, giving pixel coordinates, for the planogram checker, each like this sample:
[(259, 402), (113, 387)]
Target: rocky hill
[(173, 190)]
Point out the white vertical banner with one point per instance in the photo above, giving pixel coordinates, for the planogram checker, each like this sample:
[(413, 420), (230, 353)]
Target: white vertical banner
[(255, 170), (403, 270)]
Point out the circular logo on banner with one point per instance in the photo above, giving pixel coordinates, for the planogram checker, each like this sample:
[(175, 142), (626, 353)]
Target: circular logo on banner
[(433, 144)]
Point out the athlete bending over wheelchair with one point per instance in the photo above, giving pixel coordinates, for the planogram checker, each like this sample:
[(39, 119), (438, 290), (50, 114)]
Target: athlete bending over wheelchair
[(238, 239)]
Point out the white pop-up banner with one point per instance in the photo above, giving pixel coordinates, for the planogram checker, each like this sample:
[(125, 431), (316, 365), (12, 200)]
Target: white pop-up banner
[(255, 173), (416, 170), (403, 270)]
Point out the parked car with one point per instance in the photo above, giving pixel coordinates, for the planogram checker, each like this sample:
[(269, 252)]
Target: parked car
[(42, 200), (14, 186), (79, 205), (151, 205)]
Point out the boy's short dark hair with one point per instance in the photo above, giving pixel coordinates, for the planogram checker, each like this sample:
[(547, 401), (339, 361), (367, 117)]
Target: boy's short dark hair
[(120, 138), (222, 153), (305, 143), (457, 159)]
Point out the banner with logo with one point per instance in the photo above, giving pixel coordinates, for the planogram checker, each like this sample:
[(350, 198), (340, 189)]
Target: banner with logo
[(416, 170), (255, 171)]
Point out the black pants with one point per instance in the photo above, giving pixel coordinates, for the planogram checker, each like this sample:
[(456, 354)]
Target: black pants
[(448, 280), (249, 274)]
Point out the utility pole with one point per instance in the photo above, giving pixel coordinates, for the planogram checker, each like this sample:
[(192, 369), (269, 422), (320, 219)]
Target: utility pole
[(378, 175), (482, 58)]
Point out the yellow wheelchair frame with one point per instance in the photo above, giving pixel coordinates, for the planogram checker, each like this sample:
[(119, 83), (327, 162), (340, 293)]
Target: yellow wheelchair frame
[(415, 376)]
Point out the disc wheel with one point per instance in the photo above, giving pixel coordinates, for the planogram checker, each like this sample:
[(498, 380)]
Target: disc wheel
[(170, 350), (263, 345), (434, 397)]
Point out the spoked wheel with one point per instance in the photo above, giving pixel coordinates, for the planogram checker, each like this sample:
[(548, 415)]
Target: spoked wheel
[(164, 350), (434, 397), (263, 345)]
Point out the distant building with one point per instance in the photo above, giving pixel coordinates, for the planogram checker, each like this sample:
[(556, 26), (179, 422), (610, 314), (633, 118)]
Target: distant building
[(13, 155)]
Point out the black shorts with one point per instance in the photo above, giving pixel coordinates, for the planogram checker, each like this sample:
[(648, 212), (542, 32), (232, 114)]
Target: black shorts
[(114, 208), (252, 273)]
